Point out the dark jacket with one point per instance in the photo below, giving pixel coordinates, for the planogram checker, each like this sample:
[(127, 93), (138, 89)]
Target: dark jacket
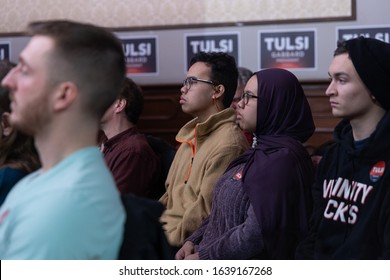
[(144, 238), (351, 217)]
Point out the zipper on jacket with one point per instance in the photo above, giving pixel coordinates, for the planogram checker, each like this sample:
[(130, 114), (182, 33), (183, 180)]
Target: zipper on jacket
[(193, 149), (189, 170)]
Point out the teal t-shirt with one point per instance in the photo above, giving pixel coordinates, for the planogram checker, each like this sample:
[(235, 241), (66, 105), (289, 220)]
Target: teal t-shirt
[(72, 211)]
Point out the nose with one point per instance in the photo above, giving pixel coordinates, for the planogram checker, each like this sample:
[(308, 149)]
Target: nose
[(241, 104), (331, 90), (8, 79), (183, 89)]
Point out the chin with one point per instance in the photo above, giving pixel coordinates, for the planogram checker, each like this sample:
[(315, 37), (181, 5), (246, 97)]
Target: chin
[(186, 110), (337, 115)]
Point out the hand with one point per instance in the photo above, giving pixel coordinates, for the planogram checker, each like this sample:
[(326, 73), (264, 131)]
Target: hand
[(193, 256), (185, 250)]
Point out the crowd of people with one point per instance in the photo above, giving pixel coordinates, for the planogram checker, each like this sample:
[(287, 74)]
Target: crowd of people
[(79, 180)]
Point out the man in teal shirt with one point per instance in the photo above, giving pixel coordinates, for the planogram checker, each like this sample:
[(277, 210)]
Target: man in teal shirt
[(67, 76)]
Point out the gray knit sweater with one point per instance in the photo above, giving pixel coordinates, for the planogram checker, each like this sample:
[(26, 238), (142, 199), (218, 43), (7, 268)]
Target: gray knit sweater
[(231, 231)]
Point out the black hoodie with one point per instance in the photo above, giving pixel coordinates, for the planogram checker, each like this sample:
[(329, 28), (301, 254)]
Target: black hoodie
[(351, 218)]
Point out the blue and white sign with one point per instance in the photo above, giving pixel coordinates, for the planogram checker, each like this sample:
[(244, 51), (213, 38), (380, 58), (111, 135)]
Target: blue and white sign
[(4, 51), (377, 32), (216, 42), (141, 55)]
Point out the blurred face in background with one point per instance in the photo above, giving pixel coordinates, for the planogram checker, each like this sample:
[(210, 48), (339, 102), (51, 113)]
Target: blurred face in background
[(247, 112), (237, 95)]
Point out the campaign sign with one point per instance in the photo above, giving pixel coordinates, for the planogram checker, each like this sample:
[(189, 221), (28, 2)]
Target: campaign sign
[(227, 43), (287, 49), (380, 33), (4, 51), (140, 55)]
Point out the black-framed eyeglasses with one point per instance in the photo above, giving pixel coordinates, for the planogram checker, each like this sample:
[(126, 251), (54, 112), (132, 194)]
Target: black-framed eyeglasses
[(246, 96), (188, 82)]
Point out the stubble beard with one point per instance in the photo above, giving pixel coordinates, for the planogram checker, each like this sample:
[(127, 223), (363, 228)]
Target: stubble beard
[(31, 118)]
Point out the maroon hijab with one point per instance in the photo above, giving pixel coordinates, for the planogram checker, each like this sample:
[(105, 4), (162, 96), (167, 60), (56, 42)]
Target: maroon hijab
[(278, 172)]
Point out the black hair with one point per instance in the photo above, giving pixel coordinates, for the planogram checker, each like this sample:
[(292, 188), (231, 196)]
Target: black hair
[(223, 71), (133, 95)]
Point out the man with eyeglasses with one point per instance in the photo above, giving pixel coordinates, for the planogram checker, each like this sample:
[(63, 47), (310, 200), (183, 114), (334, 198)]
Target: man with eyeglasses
[(208, 144)]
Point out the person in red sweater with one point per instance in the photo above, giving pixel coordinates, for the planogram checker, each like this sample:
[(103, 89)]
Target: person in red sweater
[(132, 161)]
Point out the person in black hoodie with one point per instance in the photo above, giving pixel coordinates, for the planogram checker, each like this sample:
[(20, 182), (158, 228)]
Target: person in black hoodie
[(351, 215)]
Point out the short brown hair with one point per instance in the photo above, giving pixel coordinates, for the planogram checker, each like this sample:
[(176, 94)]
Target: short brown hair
[(88, 55)]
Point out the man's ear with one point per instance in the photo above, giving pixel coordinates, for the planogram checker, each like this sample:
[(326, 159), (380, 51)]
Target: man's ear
[(120, 105), (7, 128), (64, 96), (219, 90)]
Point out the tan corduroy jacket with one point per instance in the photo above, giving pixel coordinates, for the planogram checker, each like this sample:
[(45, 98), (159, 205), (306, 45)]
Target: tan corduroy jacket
[(205, 152)]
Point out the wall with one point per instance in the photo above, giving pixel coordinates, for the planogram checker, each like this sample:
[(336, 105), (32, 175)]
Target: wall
[(16, 14), (171, 51), (162, 115)]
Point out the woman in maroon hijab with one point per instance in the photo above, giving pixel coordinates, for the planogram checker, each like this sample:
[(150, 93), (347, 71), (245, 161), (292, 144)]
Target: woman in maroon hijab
[(261, 204)]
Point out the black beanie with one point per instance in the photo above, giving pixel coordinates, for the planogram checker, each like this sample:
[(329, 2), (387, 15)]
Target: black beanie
[(371, 58)]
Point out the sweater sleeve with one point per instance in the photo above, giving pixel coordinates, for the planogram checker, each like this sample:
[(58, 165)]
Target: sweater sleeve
[(242, 242), (197, 236)]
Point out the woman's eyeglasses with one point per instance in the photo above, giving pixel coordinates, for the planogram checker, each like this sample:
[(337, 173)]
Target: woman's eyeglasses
[(246, 96)]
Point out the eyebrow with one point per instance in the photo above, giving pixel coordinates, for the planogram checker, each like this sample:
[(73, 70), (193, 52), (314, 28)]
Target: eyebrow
[(22, 61), (338, 74), (250, 92)]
